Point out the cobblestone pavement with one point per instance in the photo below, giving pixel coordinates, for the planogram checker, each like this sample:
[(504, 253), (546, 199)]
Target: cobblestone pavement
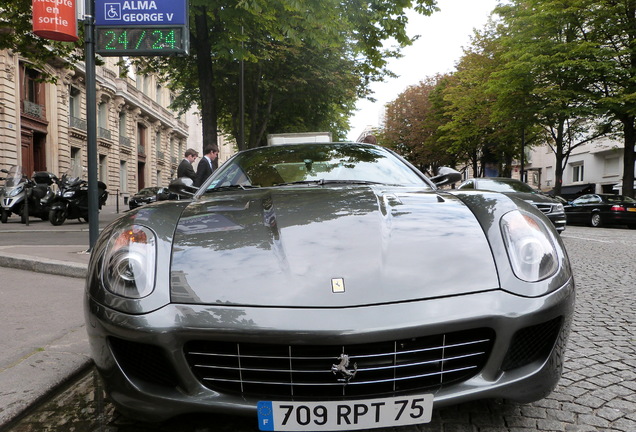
[(596, 393)]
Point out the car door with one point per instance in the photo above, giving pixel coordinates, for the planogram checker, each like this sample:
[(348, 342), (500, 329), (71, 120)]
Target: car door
[(579, 210)]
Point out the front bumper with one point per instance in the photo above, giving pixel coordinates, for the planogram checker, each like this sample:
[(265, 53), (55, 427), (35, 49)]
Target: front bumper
[(141, 392), (559, 221)]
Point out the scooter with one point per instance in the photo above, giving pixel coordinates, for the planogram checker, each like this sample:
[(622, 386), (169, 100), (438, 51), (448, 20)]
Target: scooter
[(71, 201), (26, 197)]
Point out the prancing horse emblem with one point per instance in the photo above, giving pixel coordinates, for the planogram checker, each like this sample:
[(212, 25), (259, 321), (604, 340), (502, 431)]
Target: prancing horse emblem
[(340, 369)]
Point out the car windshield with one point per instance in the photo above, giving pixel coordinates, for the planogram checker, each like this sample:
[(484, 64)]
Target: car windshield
[(148, 191), (316, 164), (504, 186)]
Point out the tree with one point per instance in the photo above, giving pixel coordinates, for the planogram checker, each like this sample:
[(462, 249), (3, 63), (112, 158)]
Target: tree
[(337, 45), (609, 31), (16, 34), (548, 72), (412, 124), (297, 55)]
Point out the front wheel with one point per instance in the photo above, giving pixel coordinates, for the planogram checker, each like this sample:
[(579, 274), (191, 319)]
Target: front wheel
[(595, 220), (57, 217), (4, 216)]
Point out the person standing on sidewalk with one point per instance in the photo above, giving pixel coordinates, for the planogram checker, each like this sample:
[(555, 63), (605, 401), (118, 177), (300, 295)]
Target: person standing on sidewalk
[(185, 167), (206, 164)]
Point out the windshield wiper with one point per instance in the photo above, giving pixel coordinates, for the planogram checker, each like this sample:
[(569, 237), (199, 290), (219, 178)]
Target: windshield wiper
[(230, 187), (319, 182), (323, 182)]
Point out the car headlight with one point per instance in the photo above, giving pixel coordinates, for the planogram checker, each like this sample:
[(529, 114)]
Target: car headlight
[(128, 268), (558, 208), (16, 191), (531, 250)]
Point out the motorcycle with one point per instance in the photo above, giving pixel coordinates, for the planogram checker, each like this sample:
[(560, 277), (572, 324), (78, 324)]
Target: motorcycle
[(27, 197), (71, 201)]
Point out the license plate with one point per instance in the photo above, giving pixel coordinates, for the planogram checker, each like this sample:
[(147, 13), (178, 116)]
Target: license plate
[(632, 209), (344, 415)]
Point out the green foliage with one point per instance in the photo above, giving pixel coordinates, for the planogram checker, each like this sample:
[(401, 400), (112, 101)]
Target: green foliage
[(16, 34), (412, 124), (305, 63)]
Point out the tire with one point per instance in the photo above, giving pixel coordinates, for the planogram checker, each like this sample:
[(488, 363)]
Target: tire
[(57, 217), (4, 216), (595, 220)]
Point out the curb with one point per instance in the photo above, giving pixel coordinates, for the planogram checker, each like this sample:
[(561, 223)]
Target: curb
[(44, 265)]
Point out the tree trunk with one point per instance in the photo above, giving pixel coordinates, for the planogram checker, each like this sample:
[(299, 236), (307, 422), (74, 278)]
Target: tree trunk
[(206, 77), (628, 158), (560, 158)]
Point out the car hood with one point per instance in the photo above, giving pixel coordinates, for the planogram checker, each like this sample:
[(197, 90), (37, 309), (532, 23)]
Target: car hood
[(532, 197), (328, 247)]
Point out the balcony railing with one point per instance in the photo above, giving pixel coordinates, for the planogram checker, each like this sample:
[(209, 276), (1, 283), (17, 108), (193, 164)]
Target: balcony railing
[(103, 133), (78, 123), (33, 109)]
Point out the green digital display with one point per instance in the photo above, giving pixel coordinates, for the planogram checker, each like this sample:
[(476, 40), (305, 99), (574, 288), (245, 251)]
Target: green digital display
[(140, 41)]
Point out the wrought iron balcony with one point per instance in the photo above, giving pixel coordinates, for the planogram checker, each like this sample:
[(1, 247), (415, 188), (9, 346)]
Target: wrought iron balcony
[(78, 123)]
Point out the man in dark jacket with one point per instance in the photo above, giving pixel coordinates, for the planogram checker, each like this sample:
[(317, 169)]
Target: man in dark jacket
[(206, 164), (185, 167)]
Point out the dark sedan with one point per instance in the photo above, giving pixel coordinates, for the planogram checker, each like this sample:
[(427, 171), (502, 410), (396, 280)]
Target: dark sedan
[(551, 207), (602, 209), (149, 195)]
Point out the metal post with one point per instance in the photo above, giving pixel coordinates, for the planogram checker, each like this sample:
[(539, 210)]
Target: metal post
[(27, 196), (523, 151), (117, 206), (91, 123), (241, 139)]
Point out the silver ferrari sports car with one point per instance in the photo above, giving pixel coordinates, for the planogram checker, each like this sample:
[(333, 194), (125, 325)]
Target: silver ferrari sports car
[(327, 286)]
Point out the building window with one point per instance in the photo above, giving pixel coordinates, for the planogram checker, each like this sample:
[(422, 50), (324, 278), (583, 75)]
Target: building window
[(74, 102), (141, 139), (102, 173), (123, 176), (102, 121), (76, 157), (612, 166), (577, 173), (158, 94), (31, 86), (122, 125)]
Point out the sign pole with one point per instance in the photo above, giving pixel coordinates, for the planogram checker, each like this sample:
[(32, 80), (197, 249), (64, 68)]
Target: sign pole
[(91, 123)]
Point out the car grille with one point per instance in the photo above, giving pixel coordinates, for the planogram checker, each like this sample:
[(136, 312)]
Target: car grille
[(545, 208), (305, 371)]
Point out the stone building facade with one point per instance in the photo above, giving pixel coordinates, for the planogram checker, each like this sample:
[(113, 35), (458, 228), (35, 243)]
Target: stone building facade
[(140, 141)]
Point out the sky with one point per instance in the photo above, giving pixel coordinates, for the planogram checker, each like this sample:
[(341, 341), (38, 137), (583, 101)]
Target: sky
[(439, 48)]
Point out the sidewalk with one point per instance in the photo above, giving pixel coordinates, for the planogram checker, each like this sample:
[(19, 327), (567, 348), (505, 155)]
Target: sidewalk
[(64, 260), (44, 341)]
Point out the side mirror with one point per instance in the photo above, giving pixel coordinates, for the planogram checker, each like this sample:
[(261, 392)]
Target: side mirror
[(183, 187), (446, 176)]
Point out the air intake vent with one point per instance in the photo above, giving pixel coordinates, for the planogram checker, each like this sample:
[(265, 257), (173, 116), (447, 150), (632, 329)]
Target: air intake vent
[(305, 372)]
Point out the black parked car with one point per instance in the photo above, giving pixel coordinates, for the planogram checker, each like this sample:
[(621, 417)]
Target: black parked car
[(602, 209), (551, 207), (149, 195)]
